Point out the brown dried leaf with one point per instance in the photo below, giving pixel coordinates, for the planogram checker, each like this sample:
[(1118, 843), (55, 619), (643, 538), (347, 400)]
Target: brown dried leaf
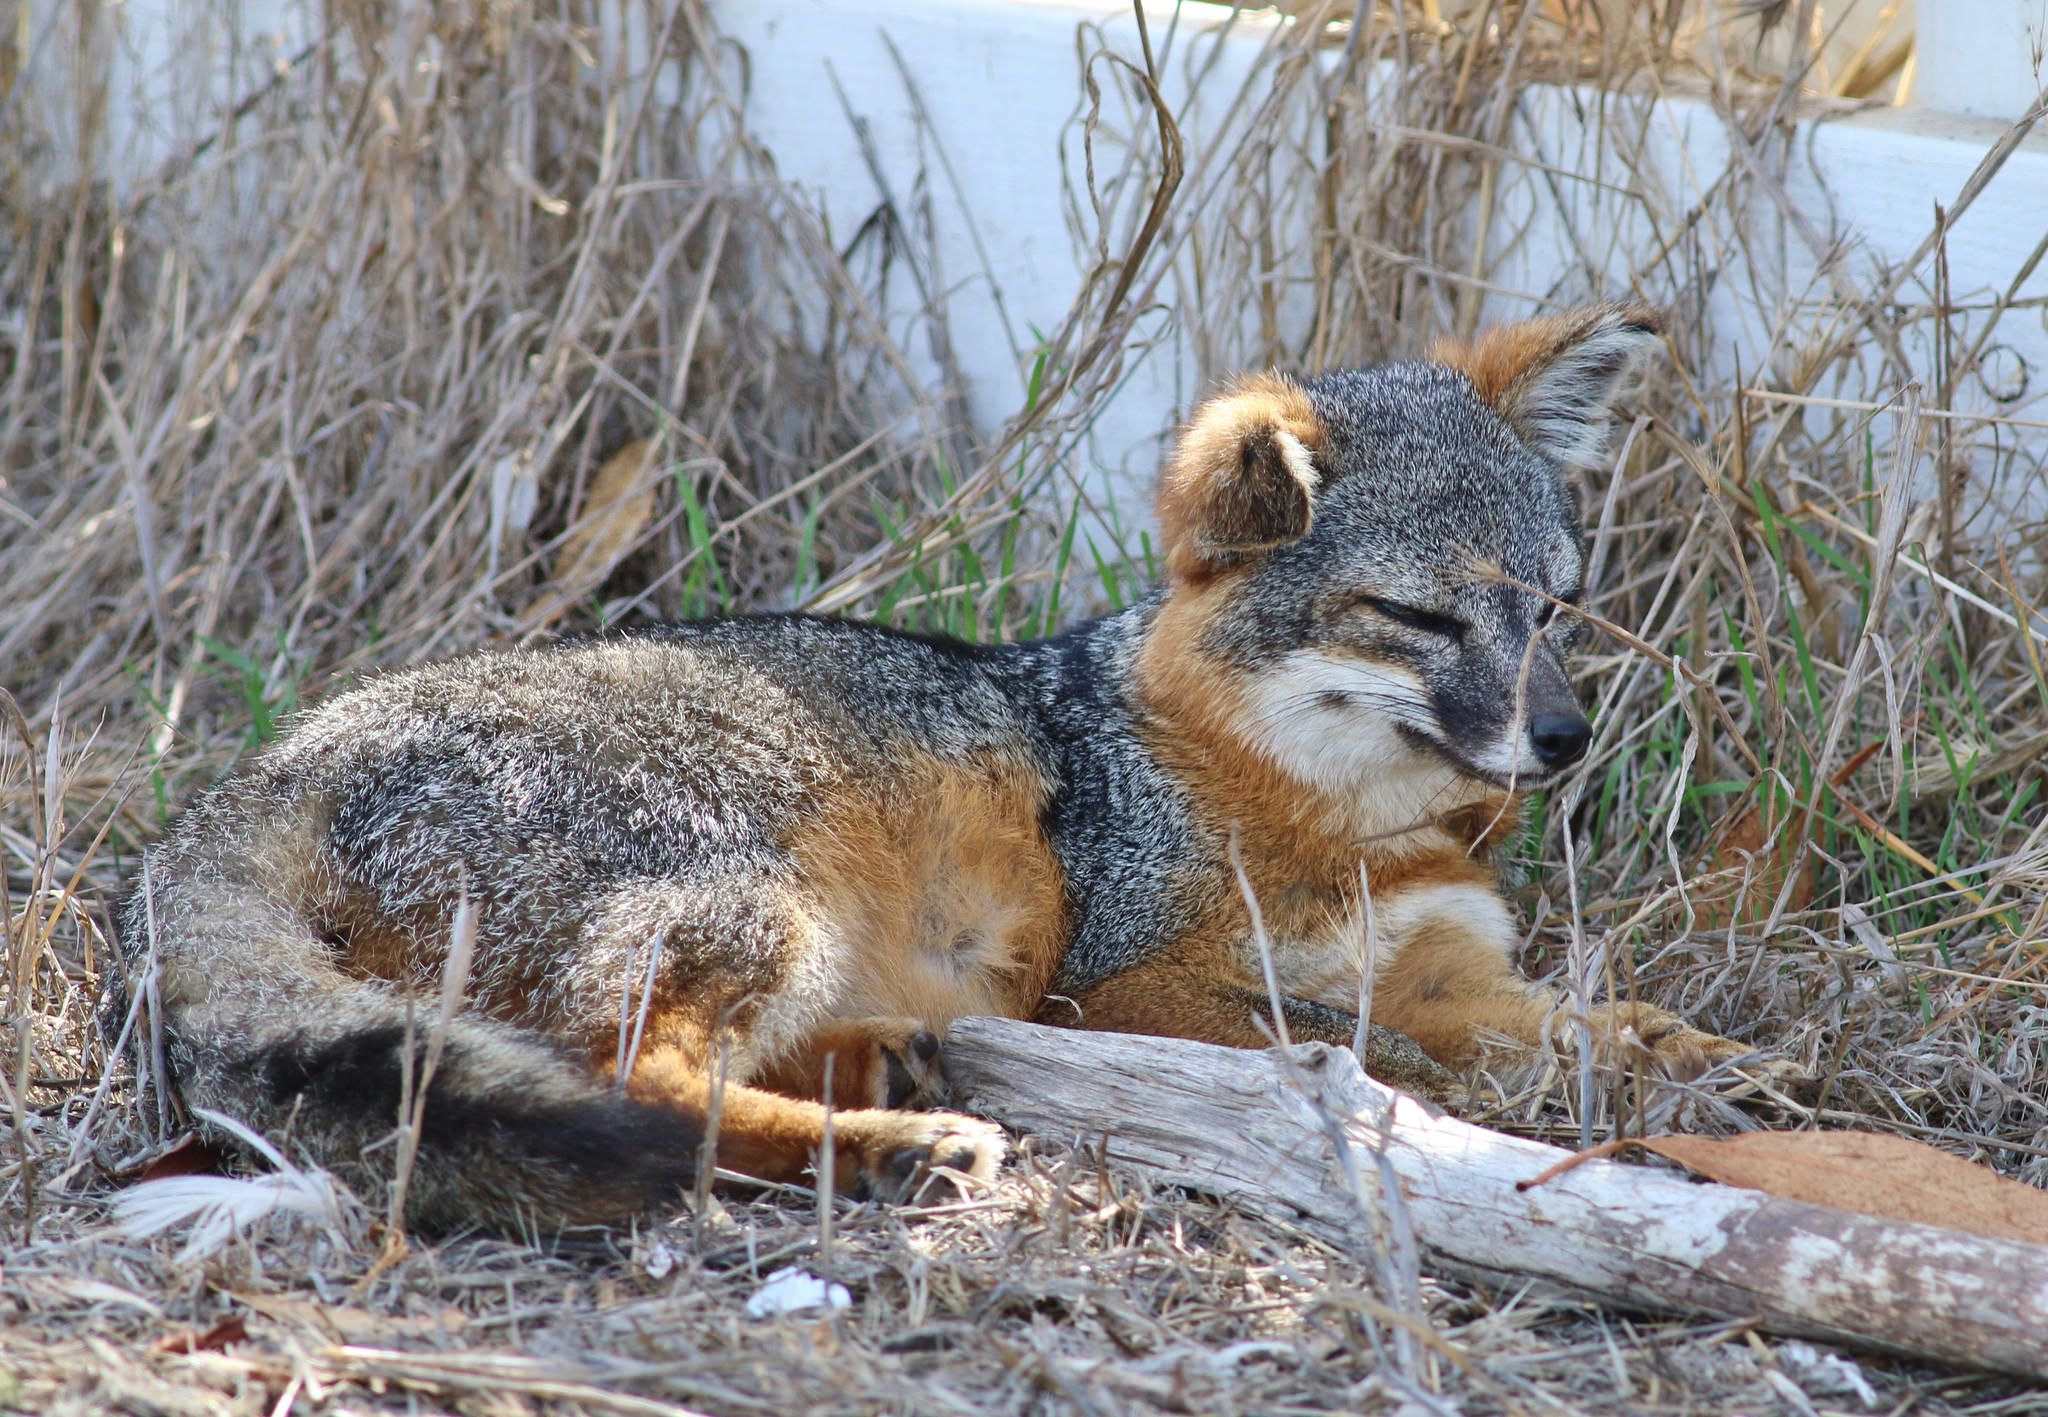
[(1747, 872), (232, 1329), (620, 504), (1869, 1173), (190, 1157)]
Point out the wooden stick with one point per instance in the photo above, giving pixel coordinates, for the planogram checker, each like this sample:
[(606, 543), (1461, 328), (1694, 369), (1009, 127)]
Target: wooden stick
[(1256, 1127)]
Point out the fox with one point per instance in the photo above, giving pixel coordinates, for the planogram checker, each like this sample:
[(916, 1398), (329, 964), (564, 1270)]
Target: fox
[(720, 887)]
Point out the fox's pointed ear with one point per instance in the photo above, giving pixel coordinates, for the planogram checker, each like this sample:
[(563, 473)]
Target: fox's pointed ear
[(1552, 378), (1242, 479)]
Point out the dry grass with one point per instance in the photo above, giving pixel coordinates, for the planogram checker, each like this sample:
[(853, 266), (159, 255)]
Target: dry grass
[(339, 385)]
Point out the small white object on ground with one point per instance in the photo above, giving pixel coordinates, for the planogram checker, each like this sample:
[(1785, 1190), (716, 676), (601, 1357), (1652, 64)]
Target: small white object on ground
[(791, 1290), (657, 1259)]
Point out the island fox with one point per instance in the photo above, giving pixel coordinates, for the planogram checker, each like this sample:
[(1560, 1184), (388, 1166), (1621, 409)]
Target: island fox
[(744, 847)]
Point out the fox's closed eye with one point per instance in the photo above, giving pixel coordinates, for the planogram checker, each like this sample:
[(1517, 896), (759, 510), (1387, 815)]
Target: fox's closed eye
[(1416, 618), (1567, 602)]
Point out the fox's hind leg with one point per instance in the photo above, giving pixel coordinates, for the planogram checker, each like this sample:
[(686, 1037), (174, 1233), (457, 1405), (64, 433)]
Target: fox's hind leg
[(879, 1152), (745, 981)]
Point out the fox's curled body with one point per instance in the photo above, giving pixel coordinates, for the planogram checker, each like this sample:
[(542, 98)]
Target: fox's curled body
[(745, 847)]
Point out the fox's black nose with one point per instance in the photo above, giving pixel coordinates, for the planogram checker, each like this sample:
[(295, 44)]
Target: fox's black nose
[(1560, 738)]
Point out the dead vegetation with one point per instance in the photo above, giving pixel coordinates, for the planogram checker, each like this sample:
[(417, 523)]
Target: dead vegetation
[(463, 328)]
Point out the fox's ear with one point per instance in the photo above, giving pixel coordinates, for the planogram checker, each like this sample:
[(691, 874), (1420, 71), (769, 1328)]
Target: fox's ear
[(1242, 479), (1552, 378)]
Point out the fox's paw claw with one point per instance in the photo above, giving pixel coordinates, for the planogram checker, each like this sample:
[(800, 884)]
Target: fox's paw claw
[(1677, 1050), (895, 1154), (1761, 1078)]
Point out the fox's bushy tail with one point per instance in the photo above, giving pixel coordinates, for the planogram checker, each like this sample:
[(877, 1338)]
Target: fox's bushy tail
[(257, 1021)]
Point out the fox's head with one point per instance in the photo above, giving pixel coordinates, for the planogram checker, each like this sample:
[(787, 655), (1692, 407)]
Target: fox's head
[(1380, 564)]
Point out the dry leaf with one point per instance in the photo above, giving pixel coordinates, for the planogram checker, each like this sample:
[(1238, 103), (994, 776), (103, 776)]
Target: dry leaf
[(69, 1289), (1870, 1173), (620, 504), (232, 1329), (1747, 873), (190, 1157)]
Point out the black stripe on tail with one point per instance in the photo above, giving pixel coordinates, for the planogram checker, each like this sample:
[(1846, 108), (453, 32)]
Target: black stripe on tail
[(498, 1152)]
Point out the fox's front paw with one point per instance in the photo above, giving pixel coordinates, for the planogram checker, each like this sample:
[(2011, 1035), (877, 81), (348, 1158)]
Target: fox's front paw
[(890, 1156), (1637, 1033)]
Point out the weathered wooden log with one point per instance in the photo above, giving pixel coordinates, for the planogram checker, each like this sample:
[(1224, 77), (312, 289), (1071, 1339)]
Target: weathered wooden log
[(1260, 1128)]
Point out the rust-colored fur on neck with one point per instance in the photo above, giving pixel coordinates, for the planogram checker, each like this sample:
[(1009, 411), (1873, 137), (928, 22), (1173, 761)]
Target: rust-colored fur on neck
[(1297, 842)]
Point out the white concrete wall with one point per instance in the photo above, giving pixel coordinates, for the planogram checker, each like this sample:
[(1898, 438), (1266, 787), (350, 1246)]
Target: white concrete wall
[(999, 81), (995, 167), (1980, 58), (1863, 187), (172, 68)]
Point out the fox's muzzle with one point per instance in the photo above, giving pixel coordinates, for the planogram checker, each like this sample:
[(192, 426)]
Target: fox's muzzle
[(1558, 729)]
